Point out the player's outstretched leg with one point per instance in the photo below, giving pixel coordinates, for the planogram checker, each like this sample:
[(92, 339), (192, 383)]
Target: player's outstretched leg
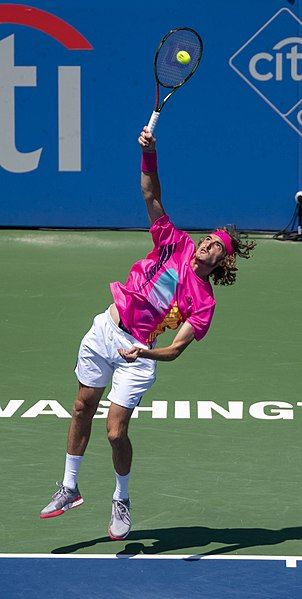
[(68, 495), (117, 429)]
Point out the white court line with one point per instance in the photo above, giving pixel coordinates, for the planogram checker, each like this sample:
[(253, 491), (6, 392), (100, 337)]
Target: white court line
[(290, 560)]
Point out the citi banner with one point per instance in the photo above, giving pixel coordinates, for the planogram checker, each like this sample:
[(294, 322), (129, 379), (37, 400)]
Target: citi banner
[(77, 86), (15, 76)]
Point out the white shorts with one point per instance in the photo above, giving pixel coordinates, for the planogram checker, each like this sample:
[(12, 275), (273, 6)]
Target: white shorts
[(99, 361)]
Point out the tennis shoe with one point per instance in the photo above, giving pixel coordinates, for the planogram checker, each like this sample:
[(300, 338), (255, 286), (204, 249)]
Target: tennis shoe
[(120, 523), (64, 499)]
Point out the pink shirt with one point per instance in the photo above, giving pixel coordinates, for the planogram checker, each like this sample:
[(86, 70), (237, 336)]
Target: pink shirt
[(164, 279)]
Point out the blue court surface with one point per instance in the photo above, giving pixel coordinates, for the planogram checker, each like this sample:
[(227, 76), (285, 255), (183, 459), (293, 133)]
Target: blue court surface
[(165, 577)]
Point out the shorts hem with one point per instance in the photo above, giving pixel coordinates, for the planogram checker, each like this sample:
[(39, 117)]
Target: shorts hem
[(124, 404), (88, 383)]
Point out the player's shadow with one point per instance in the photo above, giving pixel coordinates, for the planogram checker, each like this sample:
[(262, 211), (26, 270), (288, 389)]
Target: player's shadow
[(192, 538)]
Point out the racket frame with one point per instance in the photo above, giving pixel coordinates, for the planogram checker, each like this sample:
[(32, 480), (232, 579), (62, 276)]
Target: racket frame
[(159, 106)]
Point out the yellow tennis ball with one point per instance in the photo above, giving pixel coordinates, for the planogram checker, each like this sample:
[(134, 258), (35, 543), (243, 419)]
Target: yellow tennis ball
[(183, 57)]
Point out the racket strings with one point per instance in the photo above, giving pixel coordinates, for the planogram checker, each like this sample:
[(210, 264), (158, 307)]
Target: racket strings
[(170, 72)]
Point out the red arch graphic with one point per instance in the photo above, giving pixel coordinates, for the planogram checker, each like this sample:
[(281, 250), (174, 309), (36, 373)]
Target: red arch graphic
[(20, 14)]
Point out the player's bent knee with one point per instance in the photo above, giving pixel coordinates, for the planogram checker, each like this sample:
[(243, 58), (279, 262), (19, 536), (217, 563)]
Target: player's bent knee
[(84, 408), (116, 438), (81, 412)]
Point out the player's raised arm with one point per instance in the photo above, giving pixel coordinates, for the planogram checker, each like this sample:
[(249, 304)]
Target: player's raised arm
[(150, 184)]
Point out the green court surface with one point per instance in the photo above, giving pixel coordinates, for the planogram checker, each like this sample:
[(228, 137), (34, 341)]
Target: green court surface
[(199, 484)]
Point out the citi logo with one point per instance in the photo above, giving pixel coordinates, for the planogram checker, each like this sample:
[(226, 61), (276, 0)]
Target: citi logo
[(270, 62), (14, 76), (265, 65)]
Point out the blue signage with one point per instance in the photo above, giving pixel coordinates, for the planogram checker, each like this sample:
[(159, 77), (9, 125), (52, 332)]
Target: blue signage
[(77, 87)]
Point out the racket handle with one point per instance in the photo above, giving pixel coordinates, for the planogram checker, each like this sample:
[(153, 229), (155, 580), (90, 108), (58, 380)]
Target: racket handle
[(153, 120)]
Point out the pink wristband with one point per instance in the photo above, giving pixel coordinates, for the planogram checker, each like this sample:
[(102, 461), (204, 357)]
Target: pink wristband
[(149, 162)]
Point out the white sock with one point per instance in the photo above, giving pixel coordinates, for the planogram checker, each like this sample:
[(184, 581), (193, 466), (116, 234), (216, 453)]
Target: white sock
[(121, 488), (72, 467)]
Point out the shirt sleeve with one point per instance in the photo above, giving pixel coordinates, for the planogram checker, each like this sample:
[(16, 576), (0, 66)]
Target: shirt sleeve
[(164, 232), (201, 320)]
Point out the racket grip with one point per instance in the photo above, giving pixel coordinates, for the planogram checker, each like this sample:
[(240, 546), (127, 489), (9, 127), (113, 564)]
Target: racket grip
[(153, 121)]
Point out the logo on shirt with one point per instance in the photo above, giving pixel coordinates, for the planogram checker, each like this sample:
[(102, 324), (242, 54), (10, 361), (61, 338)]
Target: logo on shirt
[(165, 253)]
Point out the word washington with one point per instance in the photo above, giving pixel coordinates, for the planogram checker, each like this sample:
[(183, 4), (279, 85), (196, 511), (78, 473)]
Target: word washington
[(204, 410)]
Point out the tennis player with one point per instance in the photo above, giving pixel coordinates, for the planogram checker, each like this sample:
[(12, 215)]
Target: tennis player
[(170, 288)]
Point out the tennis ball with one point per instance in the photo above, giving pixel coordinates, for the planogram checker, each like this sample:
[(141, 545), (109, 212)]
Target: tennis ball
[(183, 57)]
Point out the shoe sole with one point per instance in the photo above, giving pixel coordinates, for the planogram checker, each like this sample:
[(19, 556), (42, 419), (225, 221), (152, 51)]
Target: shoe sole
[(113, 538), (64, 509)]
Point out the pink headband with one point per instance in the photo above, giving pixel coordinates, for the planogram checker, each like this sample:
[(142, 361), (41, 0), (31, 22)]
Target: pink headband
[(227, 240)]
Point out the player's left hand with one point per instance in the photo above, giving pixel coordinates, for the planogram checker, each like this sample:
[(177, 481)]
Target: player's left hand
[(130, 355)]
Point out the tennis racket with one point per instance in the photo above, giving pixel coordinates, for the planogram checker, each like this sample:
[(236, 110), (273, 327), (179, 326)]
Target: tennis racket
[(176, 60)]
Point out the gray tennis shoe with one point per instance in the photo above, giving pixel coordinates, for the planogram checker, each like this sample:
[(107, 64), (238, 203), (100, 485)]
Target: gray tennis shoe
[(120, 523), (64, 499)]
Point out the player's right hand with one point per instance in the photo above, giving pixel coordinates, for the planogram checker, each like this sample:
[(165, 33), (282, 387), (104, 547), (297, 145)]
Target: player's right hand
[(146, 140), (130, 355)]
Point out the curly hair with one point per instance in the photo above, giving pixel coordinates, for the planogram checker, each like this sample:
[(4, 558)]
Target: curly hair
[(225, 273)]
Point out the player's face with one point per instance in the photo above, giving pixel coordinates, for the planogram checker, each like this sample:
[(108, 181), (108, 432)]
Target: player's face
[(211, 250)]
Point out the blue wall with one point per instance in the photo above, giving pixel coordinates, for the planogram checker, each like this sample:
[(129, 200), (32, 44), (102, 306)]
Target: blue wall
[(226, 153)]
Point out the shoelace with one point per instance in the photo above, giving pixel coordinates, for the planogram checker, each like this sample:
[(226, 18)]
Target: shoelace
[(61, 490), (122, 511)]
